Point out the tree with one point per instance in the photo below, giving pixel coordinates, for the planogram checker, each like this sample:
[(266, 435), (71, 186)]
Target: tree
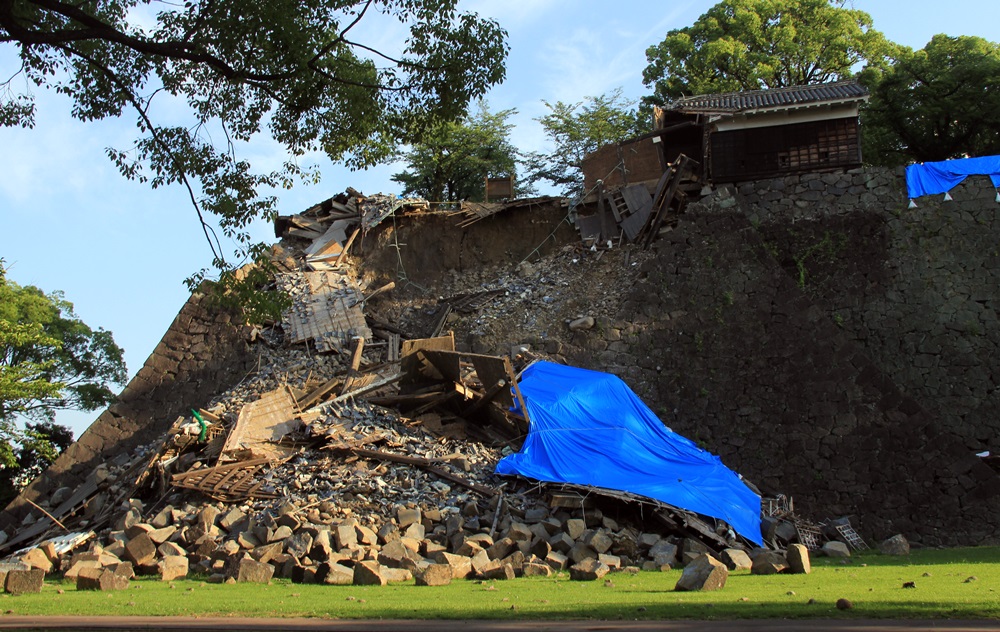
[(756, 44), (453, 159), (579, 129), (49, 360), (301, 71), (40, 445), (933, 104)]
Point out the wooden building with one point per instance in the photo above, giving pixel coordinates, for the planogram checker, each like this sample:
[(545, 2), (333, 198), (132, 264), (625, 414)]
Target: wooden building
[(742, 136), (765, 133)]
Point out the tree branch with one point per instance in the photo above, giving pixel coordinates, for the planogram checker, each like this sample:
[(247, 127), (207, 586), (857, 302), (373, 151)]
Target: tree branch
[(182, 173)]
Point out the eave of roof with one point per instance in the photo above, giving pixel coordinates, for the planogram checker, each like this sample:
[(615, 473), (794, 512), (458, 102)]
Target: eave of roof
[(775, 99)]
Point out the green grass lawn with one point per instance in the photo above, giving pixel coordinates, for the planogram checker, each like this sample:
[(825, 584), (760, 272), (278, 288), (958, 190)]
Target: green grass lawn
[(873, 583)]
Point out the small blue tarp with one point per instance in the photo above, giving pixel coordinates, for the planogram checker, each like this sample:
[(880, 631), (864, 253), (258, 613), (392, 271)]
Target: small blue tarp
[(589, 428), (940, 177)]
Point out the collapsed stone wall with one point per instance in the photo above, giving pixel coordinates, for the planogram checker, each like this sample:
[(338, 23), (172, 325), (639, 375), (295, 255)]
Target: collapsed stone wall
[(202, 353), (826, 341)]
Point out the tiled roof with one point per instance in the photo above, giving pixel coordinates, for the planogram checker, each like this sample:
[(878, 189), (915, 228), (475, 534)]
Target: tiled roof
[(773, 99)]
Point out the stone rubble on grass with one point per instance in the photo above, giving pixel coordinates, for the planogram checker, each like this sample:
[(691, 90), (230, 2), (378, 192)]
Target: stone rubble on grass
[(703, 573), (896, 545)]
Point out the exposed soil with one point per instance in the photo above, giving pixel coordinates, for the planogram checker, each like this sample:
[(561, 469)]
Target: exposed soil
[(538, 290)]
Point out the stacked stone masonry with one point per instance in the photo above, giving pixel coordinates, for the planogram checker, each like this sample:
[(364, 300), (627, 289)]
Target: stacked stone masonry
[(829, 343), (202, 353)]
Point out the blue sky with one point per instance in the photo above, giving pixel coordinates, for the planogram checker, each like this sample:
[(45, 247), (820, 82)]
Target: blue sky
[(120, 251)]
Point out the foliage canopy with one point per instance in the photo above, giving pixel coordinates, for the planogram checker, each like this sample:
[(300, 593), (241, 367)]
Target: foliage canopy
[(49, 360), (577, 129), (452, 160), (940, 102), (757, 44), (314, 75)]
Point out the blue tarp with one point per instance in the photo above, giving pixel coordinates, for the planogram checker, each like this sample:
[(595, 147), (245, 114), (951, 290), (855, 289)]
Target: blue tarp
[(940, 177), (589, 428)]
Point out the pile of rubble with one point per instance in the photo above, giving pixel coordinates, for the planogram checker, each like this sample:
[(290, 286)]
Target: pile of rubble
[(355, 454)]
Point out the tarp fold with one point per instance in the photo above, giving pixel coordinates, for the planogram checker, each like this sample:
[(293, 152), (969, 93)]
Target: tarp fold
[(589, 428), (930, 178)]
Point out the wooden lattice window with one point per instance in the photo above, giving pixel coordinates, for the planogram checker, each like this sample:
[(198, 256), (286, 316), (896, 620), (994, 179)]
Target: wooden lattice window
[(753, 153)]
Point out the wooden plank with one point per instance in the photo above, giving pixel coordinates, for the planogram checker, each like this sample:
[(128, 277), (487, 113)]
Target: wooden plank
[(392, 355), (602, 212), (440, 320), (676, 173), (609, 198), (347, 246), (369, 388), (637, 198), (359, 349), (319, 393)]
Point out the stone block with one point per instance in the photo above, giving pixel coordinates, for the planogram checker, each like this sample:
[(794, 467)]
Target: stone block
[(232, 518), (581, 552), (101, 579), (76, 567), (123, 569), (89, 578), (395, 553), (365, 536), (557, 561), (703, 573), (611, 561), (406, 516), (533, 569), (575, 528), (663, 551), (599, 541), (461, 566), (266, 552), (369, 573), (206, 518), (345, 536), (798, 559), (397, 575), (896, 545), (335, 574), (540, 548), (299, 544), (495, 569), (173, 567), (588, 570), (769, 563), (303, 574), (141, 550), (171, 548), (36, 558), (516, 561), (19, 582), (280, 534), (159, 536), (736, 560), (834, 548), (254, 572), (562, 542), (415, 531), (501, 548), (520, 531), (434, 575)]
